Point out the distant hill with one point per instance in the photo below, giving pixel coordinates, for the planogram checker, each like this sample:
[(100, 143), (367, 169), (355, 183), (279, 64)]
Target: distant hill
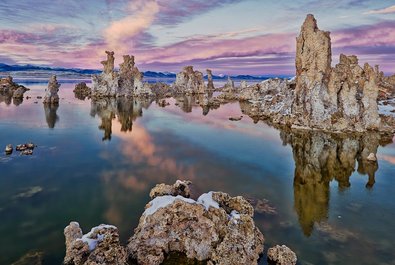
[(31, 69)]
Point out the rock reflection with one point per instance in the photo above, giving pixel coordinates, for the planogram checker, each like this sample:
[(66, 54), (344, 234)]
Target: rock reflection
[(8, 99), (50, 114), (321, 158), (125, 110), (187, 101)]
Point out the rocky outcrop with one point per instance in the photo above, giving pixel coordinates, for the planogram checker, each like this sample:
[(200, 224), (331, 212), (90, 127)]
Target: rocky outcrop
[(271, 99), (343, 98), (127, 82), (189, 81), (229, 86), (338, 99), (51, 95), (210, 83), (281, 255), (100, 246), (82, 91), (216, 227), (10, 89)]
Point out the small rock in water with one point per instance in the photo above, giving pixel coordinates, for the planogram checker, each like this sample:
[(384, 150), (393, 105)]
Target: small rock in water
[(281, 255), (235, 118), (39, 97), (27, 152), (372, 157), (8, 149)]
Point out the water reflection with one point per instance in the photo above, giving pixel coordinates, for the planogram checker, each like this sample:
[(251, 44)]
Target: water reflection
[(319, 159), (8, 99), (50, 114), (125, 110), (187, 102)]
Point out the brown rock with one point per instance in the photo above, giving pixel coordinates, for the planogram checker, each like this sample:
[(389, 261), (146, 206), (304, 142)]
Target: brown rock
[(281, 255), (179, 188)]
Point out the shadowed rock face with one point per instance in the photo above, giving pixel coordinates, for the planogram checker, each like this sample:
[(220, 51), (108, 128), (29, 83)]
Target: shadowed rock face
[(210, 83), (321, 158)]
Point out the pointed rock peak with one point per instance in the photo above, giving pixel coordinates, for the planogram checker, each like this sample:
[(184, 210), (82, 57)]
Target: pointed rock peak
[(310, 23)]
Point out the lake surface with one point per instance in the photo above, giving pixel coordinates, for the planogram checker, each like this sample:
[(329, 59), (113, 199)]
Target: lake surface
[(96, 161)]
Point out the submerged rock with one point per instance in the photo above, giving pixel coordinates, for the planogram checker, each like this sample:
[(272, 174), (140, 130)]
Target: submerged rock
[(217, 228), (100, 246), (30, 258), (281, 255), (51, 96), (235, 118)]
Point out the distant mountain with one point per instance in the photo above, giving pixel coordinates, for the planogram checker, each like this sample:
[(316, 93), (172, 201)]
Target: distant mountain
[(28, 69)]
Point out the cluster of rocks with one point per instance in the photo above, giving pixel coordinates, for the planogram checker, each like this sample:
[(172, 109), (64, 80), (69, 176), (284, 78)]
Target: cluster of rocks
[(11, 89), (24, 149), (51, 95), (189, 81), (216, 228), (341, 98)]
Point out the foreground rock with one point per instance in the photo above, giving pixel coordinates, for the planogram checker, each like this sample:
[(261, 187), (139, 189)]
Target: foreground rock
[(217, 228), (9, 149), (100, 246), (51, 96), (281, 255)]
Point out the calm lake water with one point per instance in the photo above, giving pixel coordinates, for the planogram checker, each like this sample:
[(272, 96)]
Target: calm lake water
[(97, 160)]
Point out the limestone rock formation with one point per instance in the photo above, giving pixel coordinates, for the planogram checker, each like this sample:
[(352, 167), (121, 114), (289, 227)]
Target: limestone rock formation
[(189, 81), (8, 88), (229, 86), (210, 83), (51, 95), (281, 255), (343, 98), (272, 98), (82, 91), (100, 246), (217, 228), (127, 82)]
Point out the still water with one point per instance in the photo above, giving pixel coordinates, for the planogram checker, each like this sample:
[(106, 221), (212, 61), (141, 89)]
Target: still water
[(97, 160)]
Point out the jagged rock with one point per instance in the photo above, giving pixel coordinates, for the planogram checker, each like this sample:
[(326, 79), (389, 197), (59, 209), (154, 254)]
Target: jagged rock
[(281, 255), (179, 188), (51, 96), (243, 85), (229, 86), (161, 90), (107, 83), (9, 149), (189, 81), (217, 228), (109, 63), (82, 90), (8, 88), (210, 83), (100, 246)]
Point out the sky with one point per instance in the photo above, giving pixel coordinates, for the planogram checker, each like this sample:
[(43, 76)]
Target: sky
[(228, 36)]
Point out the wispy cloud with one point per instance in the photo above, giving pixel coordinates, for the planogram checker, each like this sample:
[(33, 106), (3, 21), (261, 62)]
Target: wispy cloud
[(387, 10)]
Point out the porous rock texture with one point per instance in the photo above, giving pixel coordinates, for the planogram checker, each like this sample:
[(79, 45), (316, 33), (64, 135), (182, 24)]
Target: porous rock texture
[(189, 81), (100, 246), (281, 255), (178, 188), (81, 90), (216, 228), (11, 89), (127, 82), (338, 99), (51, 95)]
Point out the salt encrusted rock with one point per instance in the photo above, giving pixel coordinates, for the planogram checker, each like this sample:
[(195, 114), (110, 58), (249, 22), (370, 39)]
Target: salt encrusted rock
[(107, 83), (243, 84), (210, 83), (229, 86), (51, 96), (189, 81), (281, 255), (181, 187), (217, 228), (109, 63), (8, 149), (100, 246)]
